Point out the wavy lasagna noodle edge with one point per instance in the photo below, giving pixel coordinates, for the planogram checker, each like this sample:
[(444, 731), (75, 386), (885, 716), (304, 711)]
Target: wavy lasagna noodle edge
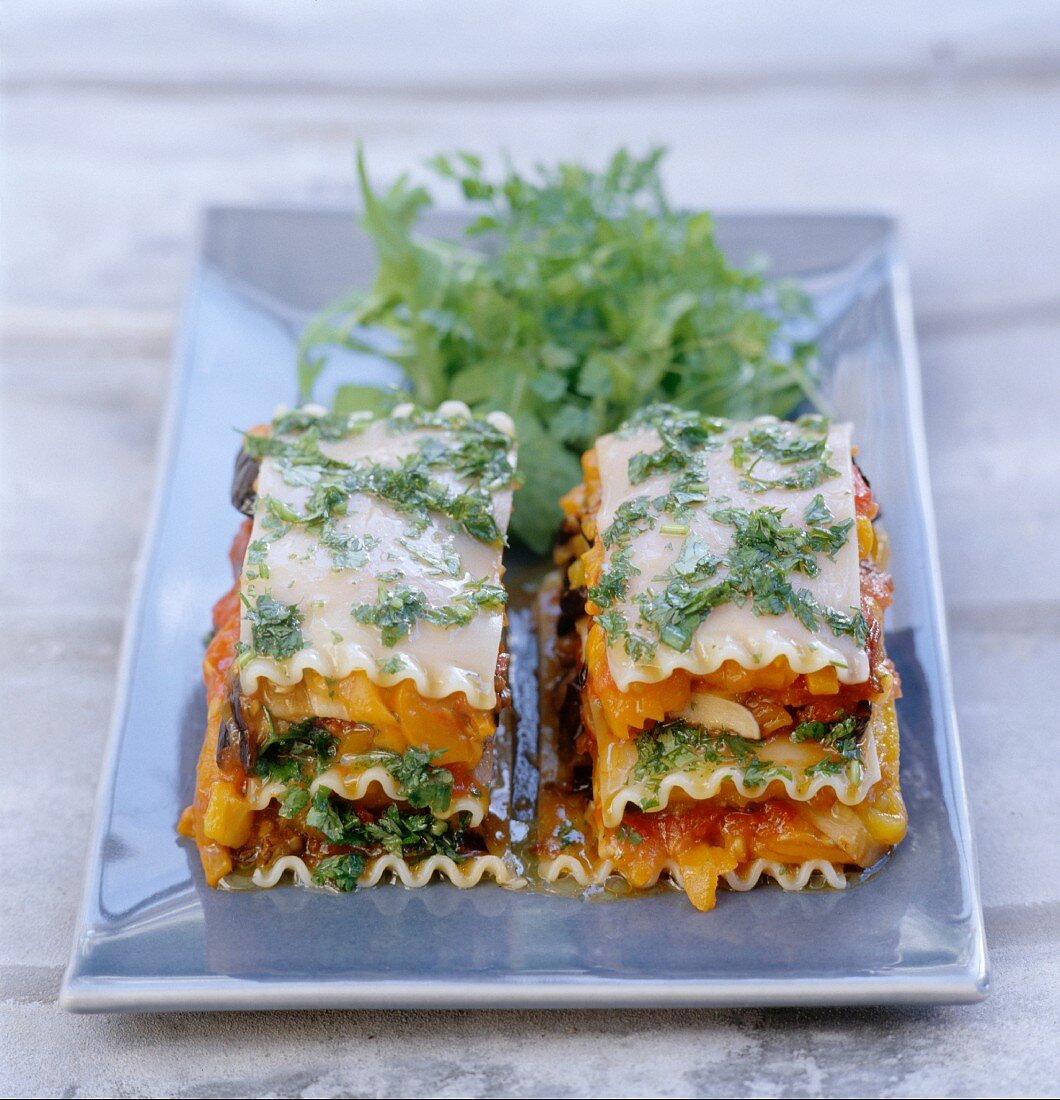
[(345, 660), (465, 874), (790, 876), (358, 786)]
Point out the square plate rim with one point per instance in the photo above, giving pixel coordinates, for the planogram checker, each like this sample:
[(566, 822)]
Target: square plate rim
[(954, 984)]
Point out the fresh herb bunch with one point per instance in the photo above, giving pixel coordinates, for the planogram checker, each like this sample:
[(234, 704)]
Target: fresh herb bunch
[(577, 298)]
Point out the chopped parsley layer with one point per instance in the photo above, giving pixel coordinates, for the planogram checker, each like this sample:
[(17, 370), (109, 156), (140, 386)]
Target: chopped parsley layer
[(295, 754), (472, 449), (412, 836), (398, 607), (679, 746)]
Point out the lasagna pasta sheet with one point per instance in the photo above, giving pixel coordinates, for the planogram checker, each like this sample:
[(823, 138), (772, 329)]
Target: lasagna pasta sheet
[(734, 632), (301, 570)]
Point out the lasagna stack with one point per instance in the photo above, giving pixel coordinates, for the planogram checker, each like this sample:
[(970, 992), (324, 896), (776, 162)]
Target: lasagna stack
[(725, 705), (357, 673)]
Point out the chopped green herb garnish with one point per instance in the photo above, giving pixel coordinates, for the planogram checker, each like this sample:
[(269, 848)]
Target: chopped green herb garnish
[(402, 834), (479, 453), (329, 426), (764, 554), (616, 628), (631, 517), (326, 501), (817, 512), (391, 666), (395, 611), (293, 801), (423, 785), (409, 835), (276, 627), (613, 584), (410, 490), (257, 552), (444, 563), (685, 490), (340, 871), (295, 752), (348, 551), (398, 608), (476, 451), (325, 817), (801, 444), (841, 738), (683, 434), (677, 746), (855, 624)]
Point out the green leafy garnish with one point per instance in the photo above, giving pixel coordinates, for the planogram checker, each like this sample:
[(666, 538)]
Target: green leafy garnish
[(404, 834), (422, 784), (616, 628), (410, 835), (348, 551), (411, 490), (757, 569), (329, 426), (842, 738), (594, 298), (613, 584), (631, 518), (293, 801), (444, 563), (295, 752), (801, 444), (817, 512), (473, 449), (684, 435), (276, 627), (339, 826), (341, 872), (399, 607), (257, 554), (677, 746)]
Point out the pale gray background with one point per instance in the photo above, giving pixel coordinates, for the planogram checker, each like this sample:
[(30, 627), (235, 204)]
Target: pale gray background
[(120, 120)]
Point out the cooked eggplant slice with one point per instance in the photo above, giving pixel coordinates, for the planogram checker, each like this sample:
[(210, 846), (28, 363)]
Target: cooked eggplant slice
[(244, 478), (233, 732)]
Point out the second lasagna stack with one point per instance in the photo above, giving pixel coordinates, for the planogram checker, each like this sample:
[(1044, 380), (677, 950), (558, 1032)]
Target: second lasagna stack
[(726, 707)]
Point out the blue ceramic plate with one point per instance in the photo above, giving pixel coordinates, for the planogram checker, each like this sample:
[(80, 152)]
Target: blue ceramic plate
[(153, 936)]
